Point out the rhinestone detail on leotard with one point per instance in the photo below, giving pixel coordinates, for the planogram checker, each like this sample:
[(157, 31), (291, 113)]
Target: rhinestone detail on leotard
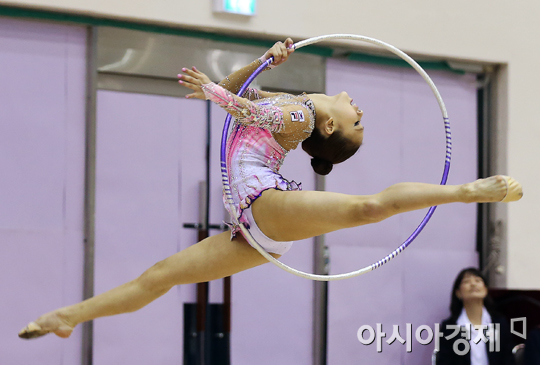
[(254, 157)]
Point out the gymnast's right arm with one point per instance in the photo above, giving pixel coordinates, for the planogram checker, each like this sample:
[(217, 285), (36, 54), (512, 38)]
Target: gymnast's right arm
[(280, 51), (234, 81)]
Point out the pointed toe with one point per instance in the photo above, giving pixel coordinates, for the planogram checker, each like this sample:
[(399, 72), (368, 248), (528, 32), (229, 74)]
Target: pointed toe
[(514, 191)]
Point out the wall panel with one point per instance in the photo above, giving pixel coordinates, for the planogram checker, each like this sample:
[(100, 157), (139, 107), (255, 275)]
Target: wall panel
[(137, 221), (42, 94), (403, 141)]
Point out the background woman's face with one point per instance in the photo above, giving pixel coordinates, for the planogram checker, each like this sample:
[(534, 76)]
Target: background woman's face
[(472, 287)]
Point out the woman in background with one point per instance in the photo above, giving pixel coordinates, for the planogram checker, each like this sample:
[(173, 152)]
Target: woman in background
[(472, 308)]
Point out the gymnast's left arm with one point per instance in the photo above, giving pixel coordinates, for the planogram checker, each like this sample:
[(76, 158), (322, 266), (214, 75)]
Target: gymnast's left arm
[(245, 111)]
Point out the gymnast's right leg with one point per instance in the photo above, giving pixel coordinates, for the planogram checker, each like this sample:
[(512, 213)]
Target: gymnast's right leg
[(296, 215), (213, 258)]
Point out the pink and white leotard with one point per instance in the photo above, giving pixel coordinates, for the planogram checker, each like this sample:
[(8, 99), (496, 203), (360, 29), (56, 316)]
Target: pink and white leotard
[(254, 157)]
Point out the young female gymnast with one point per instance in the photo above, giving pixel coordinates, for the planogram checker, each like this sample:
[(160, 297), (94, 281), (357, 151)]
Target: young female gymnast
[(267, 126)]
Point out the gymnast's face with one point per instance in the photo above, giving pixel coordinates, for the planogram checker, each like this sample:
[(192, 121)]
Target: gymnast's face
[(472, 287), (346, 117)]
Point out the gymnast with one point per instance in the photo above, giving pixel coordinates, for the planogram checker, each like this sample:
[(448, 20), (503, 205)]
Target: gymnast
[(275, 210)]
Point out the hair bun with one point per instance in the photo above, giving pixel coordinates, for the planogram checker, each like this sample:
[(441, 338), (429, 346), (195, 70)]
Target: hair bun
[(321, 167)]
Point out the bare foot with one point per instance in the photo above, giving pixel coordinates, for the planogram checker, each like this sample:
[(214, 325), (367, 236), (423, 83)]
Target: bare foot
[(53, 322), (492, 189)]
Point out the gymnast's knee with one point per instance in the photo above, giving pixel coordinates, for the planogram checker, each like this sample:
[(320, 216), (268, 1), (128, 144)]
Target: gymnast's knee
[(368, 209), (153, 279)]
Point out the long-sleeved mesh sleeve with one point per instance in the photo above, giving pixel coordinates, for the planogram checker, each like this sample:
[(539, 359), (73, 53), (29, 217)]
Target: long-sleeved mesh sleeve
[(245, 111), (234, 81)]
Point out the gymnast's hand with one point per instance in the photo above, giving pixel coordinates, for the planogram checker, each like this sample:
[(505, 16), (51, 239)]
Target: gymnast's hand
[(280, 51), (193, 79)]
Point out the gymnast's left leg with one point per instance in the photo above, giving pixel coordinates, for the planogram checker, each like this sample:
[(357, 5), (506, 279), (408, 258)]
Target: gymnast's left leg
[(213, 258)]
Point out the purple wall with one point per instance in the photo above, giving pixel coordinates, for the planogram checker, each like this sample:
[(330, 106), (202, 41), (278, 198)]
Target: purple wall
[(404, 141), (42, 95), (137, 221)]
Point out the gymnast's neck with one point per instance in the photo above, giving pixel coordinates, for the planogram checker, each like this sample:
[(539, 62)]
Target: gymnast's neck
[(322, 103)]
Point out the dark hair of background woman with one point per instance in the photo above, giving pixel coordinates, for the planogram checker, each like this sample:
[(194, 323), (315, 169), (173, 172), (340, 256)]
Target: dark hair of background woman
[(456, 305), (327, 151)]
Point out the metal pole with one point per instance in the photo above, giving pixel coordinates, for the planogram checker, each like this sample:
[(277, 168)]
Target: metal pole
[(320, 292), (202, 288), (227, 308), (484, 170), (204, 219), (89, 188)]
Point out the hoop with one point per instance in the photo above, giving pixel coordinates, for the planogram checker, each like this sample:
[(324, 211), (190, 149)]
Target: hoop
[(427, 217)]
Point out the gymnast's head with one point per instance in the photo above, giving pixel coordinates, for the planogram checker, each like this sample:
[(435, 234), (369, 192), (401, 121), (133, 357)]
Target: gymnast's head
[(338, 131)]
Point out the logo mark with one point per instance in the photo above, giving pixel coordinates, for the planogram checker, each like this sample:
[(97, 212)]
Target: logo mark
[(297, 116)]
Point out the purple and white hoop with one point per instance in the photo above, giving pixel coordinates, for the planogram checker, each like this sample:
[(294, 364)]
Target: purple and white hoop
[(404, 245)]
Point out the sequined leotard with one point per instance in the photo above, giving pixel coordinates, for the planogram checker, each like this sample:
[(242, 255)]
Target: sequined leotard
[(254, 156)]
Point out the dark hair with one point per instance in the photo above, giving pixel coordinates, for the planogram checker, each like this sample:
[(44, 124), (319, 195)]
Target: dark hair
[(456, 305), (327, 151)]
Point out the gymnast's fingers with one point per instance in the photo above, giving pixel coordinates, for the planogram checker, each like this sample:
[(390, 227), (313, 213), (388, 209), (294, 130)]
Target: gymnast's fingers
[(285, 53), (289, 45), (191, 73), (284, 49), (189, 85), (194, 76), (189, 82), (200, 76), (188, 79), (196, 70), (276, 53)]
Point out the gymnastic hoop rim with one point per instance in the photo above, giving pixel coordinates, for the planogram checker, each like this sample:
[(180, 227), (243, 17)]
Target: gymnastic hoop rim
[(425, 220)]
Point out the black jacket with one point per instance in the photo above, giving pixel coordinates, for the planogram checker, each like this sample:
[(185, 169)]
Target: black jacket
[(532, 348), (447, 356)]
